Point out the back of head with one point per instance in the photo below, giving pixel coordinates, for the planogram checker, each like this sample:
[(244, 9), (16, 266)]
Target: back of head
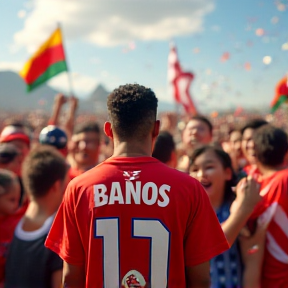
[(54, 136), (271, 145), (164, 147), (43, 166), (132, 110), (253, 124)]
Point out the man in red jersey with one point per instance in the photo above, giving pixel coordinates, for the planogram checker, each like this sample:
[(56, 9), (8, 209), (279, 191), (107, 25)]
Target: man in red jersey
[(132, 220), (271, 146)]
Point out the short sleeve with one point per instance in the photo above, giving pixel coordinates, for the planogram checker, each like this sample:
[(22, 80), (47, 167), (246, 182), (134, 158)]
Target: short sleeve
[(204, 237), (64, 237), (55, 262)]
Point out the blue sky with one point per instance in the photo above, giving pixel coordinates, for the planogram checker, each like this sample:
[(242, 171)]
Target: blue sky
[(114, 42)]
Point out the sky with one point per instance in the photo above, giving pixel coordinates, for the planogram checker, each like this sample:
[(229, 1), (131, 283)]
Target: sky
[(238, 50)]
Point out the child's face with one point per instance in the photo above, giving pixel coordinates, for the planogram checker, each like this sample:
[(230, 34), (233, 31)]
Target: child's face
[(9, 202), (209, 171)]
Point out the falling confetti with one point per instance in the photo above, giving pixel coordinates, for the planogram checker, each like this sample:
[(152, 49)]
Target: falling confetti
[(214, 114), (208, 71), (247, 66), (285, 46), (132, 45), (259, 32), (274, 20), (225, 56), (267, 60), (21, 14), (281, 7), (249, 43)]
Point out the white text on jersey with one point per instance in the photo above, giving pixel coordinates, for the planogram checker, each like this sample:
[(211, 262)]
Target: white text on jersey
[(149, 194)]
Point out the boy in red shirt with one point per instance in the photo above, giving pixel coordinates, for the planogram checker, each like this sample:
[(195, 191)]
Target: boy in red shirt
[(132, 220), (271, 146)]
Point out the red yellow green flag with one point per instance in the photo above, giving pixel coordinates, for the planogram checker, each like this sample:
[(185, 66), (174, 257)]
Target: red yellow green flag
[(47, 62)]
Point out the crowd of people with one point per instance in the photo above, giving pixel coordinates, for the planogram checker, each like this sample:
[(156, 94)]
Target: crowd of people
[(188, 201)]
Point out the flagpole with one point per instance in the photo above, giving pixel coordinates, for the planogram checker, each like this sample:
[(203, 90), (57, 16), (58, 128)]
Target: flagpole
[(68, 73)]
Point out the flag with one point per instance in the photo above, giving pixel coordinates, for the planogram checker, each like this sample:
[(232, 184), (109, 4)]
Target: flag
[(48, 61), (180, 82), (281, 94)]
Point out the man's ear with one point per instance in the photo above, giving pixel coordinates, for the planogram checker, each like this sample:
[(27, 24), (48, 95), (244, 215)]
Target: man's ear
[(108, 129), (156, 129)]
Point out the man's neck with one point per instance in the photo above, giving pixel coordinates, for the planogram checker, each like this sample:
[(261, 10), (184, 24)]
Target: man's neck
[(37, 213), (132, 149), (267, 171)]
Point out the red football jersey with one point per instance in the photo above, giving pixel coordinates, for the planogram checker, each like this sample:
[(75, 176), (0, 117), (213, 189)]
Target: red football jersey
[(135, 221), (273, 209)]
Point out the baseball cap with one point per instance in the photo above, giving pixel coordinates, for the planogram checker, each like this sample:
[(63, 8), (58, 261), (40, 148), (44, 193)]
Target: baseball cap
[(10, 133), (52, 135), (8, 152)]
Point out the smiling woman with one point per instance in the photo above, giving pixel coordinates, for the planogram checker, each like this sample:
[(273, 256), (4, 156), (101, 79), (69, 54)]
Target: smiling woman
[(213, 168)]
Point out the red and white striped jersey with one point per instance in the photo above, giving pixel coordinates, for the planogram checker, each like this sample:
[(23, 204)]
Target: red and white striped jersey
[(273, 209)]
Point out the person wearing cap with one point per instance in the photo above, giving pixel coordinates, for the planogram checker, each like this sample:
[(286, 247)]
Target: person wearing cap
[(54, 136), (18, 134)]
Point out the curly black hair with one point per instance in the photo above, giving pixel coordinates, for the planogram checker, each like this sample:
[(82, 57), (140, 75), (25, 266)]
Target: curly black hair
[(132, 110)]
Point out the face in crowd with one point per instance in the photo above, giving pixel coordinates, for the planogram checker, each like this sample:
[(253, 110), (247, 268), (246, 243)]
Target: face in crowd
[(247, 145), (209, 170), (196, 132), (235, 140), (85, 148)]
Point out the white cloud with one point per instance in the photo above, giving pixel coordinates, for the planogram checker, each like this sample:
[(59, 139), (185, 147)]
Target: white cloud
[(113, 22), (11, 66)]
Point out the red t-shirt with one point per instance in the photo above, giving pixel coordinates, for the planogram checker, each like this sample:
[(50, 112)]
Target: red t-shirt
[(74, 172), (273, 209), (253, 171), (7, 227), (135, 219)]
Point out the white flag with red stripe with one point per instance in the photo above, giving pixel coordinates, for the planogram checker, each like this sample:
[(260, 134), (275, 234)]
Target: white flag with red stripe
[(180, 82)]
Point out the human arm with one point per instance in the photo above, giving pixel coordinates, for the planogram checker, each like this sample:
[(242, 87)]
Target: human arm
[(73, 276), (247, 197), (252, 250), (70, 117), (198, 276), (59, 101)]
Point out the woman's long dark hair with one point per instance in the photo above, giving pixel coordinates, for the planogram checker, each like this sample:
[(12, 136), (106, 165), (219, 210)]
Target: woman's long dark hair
[(226, 162)]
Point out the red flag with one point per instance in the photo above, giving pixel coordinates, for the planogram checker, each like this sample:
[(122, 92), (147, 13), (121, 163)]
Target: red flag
[(180, 81)]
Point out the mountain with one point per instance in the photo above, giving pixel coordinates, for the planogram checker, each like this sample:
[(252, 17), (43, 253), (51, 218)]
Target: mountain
[(100, 94), (99, 98), (13, 95)]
